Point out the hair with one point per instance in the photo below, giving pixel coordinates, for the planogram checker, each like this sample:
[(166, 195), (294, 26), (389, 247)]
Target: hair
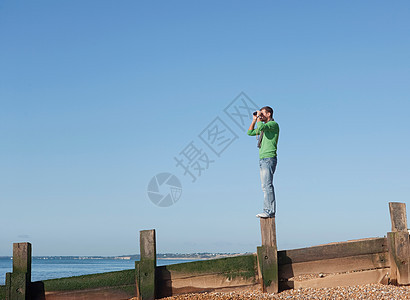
[(269, 110)]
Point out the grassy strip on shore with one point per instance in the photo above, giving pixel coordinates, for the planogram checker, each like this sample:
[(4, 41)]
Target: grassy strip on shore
[(238, 266), (123, 281), (120, 279)]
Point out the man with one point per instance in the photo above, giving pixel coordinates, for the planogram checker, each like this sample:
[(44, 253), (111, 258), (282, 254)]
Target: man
[(268, 131)]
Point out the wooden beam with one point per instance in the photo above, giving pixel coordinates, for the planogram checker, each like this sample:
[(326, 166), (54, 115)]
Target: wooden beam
[(268, 269), (399, 244), (335, 265), (8, 286), (22, 258), (137, 279), (267, 256), (148, 245), (19, 286), (198, 283), (268, 232), (18, 282), (333, 250), (238, 272), (398, 216), (399, 251), (147, 265), (346, 279)]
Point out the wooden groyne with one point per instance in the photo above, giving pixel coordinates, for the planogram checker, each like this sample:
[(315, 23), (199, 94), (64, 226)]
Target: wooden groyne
[(371, 260)]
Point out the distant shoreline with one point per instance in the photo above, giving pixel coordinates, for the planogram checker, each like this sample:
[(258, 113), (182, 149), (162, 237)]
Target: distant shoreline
[(162, 256)]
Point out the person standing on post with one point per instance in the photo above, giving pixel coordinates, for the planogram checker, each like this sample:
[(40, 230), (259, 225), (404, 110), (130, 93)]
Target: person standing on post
[(268, 131)]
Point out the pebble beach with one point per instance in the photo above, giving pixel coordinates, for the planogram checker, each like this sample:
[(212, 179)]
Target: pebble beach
[(369, 291)]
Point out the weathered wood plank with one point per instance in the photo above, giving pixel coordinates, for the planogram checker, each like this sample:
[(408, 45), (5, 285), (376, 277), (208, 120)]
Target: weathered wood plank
[(334, 250), (347, 279), (210, 281), (172, 282), (8, 286), (173, 290), (148, 244), (18, 282), (103, 293), (398, 216), (19, 286), (147, 265), (268, 232), (22, 258), (335, 265), (399, 251), (268, 268), (237, 266), (162, 274), (267, 256), (137, 280)]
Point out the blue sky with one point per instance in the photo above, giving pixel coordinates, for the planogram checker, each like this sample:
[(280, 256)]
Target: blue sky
[(97, 97)]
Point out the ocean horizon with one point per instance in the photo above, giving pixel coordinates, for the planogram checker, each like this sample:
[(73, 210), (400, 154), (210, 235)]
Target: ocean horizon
[(43, 268)]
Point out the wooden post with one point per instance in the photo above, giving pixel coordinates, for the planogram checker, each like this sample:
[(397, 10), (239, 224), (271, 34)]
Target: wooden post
[(268, 232), (8, 286), (399, 252), (267, 256), (19, 286), (398, 216), (399, 245), (268, 268), (22, 258), (18, 282), (146, 267), (137, 279)]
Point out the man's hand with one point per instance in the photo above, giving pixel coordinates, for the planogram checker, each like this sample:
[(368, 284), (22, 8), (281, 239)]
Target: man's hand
[(255, 118), (258, 115)]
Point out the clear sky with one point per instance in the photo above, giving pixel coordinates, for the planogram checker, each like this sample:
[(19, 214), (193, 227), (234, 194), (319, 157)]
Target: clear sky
[(97, 97)]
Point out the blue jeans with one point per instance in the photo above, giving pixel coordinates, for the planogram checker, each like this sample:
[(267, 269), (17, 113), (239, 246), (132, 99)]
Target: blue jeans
[(267, 169)]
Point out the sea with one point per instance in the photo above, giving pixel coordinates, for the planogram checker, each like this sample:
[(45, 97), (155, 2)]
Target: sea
[(50, 268)]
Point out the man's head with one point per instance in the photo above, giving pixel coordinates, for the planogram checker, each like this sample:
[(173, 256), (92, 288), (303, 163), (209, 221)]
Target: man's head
[(266, 113)]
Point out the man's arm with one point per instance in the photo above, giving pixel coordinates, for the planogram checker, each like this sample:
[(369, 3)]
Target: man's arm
[(269, 126), (251, 130), (252, 126)]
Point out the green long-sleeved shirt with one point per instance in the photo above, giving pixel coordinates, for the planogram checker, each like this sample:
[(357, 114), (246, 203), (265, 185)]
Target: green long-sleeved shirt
[(270, 137)]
